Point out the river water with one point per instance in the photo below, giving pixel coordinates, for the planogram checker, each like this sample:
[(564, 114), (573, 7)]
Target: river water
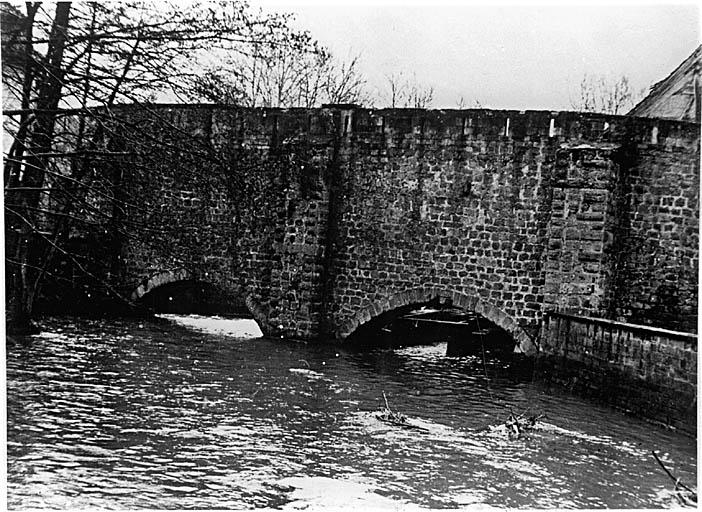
[(192, 412)]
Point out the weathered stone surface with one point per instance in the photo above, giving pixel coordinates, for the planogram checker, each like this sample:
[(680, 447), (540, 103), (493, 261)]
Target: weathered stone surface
[(324, 218), (650, 371)]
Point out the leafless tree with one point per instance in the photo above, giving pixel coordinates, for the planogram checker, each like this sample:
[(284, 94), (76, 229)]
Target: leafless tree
[(62, 171), (396, 87), (600, 94), (461, 103), (344, 83), (300, 75), (405, 92)]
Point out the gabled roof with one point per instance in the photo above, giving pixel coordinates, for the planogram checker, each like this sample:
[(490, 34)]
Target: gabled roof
[(677, 96)]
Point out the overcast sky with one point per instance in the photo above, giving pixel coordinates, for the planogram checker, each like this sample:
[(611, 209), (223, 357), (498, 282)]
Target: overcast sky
[(516, 57)]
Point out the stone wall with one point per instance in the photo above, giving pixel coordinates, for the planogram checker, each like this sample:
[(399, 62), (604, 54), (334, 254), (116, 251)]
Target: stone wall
[(656, 236), (445, 201), (238, 199), (321, 218), (645, 370), (579, 265), (527, 211)]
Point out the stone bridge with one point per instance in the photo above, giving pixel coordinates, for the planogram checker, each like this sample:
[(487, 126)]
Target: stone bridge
[(322, 219)]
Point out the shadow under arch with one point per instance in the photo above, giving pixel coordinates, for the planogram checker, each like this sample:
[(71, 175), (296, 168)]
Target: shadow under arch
[(523, 341), (173, 277)]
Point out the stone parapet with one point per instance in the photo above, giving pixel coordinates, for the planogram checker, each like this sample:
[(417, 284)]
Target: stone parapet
[(649, 371)]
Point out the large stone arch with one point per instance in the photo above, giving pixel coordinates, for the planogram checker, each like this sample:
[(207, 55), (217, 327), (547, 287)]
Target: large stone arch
[(173, 276), (524, 342)]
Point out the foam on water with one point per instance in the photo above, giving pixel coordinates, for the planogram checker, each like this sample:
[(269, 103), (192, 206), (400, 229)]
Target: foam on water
[(138, 415), (310, 374), (240, 328), (322, 493)]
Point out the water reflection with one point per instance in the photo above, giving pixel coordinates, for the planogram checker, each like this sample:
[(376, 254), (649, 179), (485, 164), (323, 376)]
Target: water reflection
[(157, 415)]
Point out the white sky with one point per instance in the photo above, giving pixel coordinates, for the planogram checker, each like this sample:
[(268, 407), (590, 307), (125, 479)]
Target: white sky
[(505, 56)]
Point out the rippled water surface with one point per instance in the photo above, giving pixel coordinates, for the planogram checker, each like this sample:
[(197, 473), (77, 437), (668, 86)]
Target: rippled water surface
[(193, 413)]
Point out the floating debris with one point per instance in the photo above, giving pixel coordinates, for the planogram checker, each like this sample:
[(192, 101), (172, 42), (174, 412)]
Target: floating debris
[(685, 496), (396, 419), (517, 425)]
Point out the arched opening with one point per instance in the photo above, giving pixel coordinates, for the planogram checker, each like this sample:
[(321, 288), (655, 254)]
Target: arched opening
[(464, 332), (179, 292), (424, 316), (194, 297)]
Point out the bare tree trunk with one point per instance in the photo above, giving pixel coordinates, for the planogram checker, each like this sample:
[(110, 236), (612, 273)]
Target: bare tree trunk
[(12, 163), (24, 217), (81, 166)]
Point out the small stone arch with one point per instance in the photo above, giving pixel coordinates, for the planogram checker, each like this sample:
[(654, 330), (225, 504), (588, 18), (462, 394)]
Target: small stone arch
[(419, 295), (182, 274), (156, 280)]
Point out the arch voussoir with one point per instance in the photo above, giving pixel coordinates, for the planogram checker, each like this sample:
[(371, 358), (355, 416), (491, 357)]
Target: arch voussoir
[(159, 279), (259, 314), (524, 343)]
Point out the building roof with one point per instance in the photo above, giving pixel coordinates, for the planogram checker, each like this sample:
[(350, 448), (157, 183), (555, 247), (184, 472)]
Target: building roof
[(678, 95)]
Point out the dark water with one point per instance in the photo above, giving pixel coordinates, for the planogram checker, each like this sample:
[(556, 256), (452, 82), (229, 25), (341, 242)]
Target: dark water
[(129, 415)]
